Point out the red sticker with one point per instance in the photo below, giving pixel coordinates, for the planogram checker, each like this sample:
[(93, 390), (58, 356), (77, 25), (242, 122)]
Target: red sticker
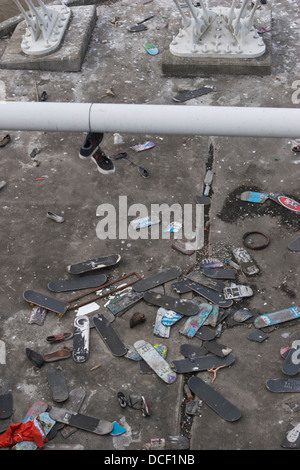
[(289, 203)]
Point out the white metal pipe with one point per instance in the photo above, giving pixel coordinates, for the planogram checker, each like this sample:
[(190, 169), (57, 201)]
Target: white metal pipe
[(151, 119)]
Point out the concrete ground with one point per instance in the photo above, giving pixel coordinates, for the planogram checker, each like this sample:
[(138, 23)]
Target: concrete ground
[(36, 250)]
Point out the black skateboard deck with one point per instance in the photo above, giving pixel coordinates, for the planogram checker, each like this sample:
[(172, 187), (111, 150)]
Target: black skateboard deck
[(46, 302), (291, 365), (6, 405), (219, 273), (201, 363), (283, 385), (91, 265), (216, 348), (188, 95), (214, 399), (294, 245), (190, 351), (58, 384), (197, 276), (211, 295), (156, 280), (183, 306), (109, 335), (81, 421), (81, 338), (77, 283)]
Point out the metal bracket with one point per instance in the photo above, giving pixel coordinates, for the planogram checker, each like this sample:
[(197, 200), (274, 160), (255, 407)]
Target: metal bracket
[(218, 32), (45, 27)]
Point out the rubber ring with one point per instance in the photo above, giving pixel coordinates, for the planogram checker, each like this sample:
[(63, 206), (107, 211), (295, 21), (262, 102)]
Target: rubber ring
[(259, 247)]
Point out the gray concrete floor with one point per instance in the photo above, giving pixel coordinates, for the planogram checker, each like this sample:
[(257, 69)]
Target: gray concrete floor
[(36, 250)]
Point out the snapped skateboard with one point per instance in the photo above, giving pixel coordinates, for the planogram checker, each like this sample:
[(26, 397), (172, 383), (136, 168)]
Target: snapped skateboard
[(81, 421), (283, 385), (124, 302), (91, 265), (84, 282), (58, 384), (81, 337), (109, 335), (170, 318), (197, 276), (294, 245), (161, 329), (291, 439), (237, 292), (291, 365), (246, 262), (209, 294), (193, 323), (201, 363), (188, 95), (216, 348), (46, 302), (156, 280), (154, 359), (214, 399), (183, 306), (190, 351), (275, 318), (259, 198)]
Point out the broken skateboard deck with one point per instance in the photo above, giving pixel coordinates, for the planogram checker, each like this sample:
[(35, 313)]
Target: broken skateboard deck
[(81, 421), (84, 282), (156, 280), (246, 262), (58, 384), (193, 323), (200, 278), (292, 436), (124, 302), (81, 337), (46, 302), (237, 292), (91, 265), (209, 294), (109, 335), (201, 363), (291, 365), (157, 363), (274, 318), (75, 400), (183, 306), (214, 399), (285, 201), (294, 245), (188, 95), (283, 385)]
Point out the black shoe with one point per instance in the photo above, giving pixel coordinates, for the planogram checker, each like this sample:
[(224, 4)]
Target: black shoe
[(104, 164), (90, 144), (35, 357)]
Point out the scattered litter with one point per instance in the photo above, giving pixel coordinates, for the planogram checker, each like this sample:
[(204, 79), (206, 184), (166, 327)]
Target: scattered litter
[(136, 319), (173, 227), (138, 28), (144, 222), (151, 49), (188, 95), (207, 181), (246, 262), (141, 147), (211, 263), (38, 315), (55, 217), (6, 140), (258, 336)]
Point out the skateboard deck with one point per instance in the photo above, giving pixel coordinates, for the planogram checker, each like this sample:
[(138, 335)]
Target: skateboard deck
[(246, 262), (170, 318), (46, 302), (211, 295), (201, 363), (294, 245), (281, 199), (292, 436), (214, 399), (157, 363), (85, 282), (91, 265), (291, 365), (6, 405), (124, 302), (156, 280), (151, 49), (217, 349), (159, 328), (188, 95), (193, 323), (283, 385), (183, 306), (200, 278), (109, 335), (81, 421), (219, 273), (237, 292), (275, 318), (190, 351), (81, 337), (75, 400), (58, 384), (211, 263)]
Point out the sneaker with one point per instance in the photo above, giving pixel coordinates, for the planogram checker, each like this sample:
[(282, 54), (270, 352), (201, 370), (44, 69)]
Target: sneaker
[(90, 144), (104, 164)]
